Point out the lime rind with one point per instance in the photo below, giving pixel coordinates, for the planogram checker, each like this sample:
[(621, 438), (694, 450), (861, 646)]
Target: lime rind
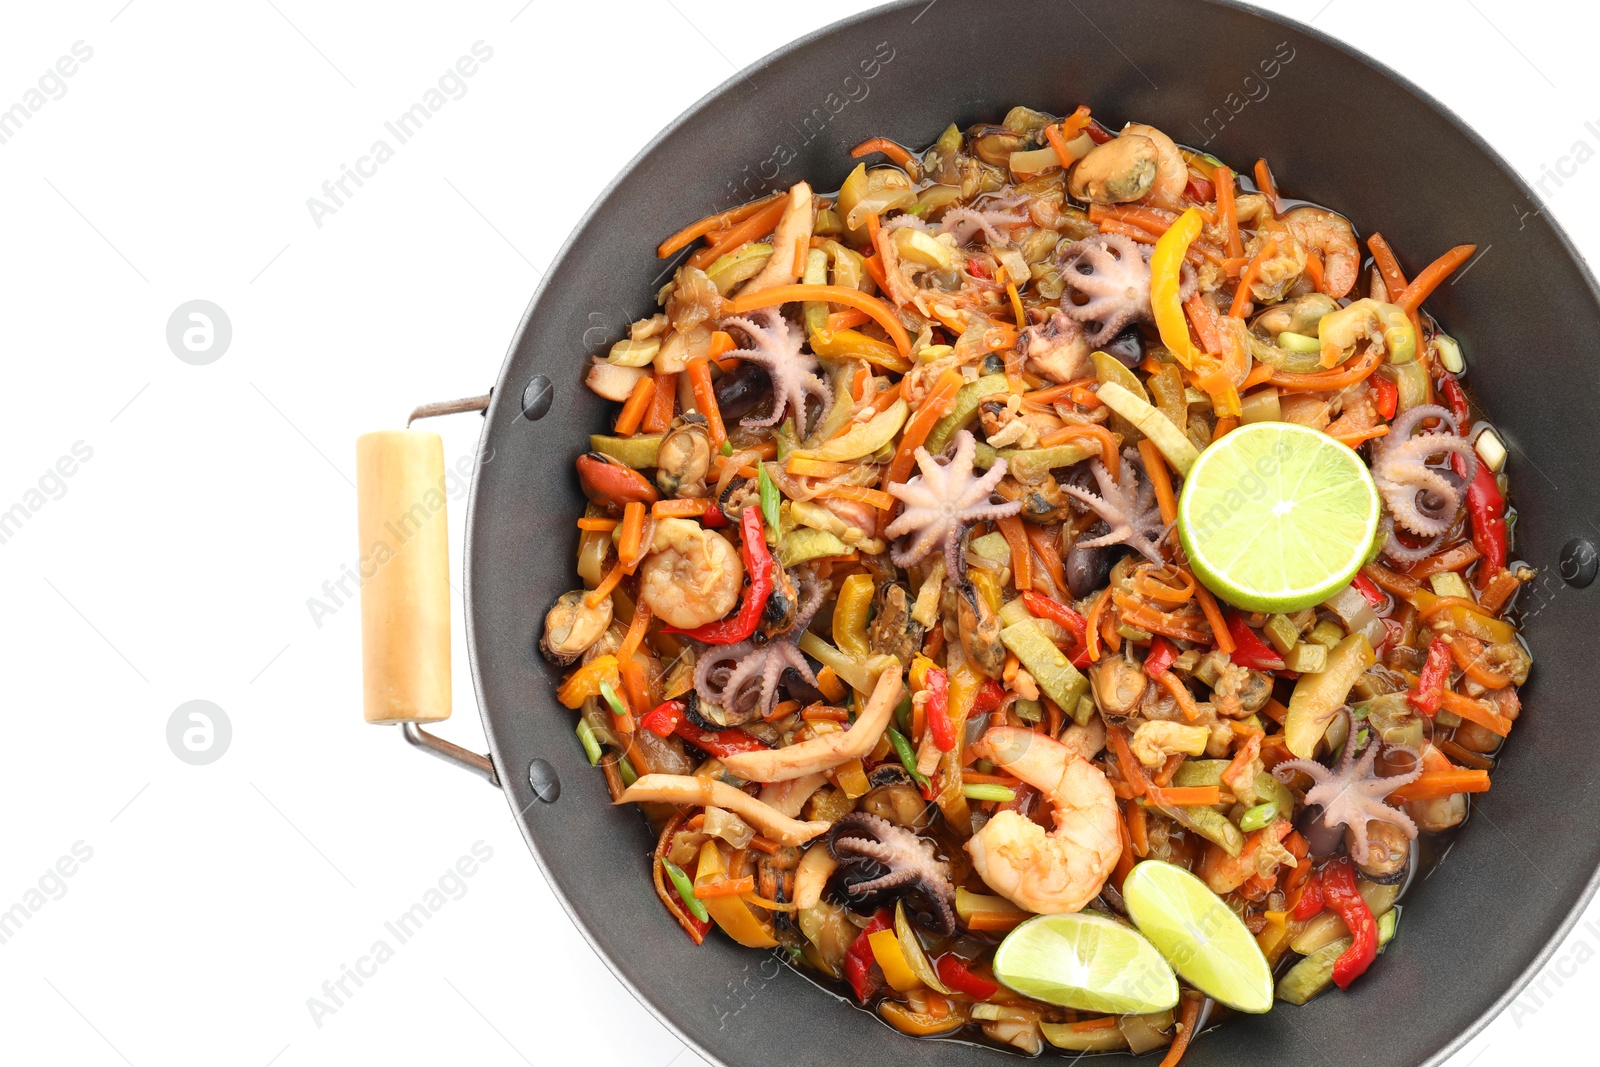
[(1200, 936), (1277, 516), (1086, 961)]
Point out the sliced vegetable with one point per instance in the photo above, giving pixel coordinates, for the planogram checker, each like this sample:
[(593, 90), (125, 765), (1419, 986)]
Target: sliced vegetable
[(862, 439), (1054, 673), (1173, 442), (964, 411), (1317, 697)]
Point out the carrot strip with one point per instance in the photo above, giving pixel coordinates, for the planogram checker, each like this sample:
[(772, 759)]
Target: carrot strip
[(1092, 629), (601, 525), (1171, 683), (1451, 559), (1227, 211), (1105, 1022), (1203, 317), (834, 294), (632, 413), (598, 594), (1188, 1020), (658, 418), (1021, 554), (635, 634), (898, 155), (1337, 378), (1138, 829), (728, 887), (720, 221), (934, 407), (847, 320), (1248, 276), (1259, 374), (1101, 436), (1394, 279), (1435, 784), (1268, 187), (1351, 440), (1131, 772), (1219, 626), (1315, 270), (721, 344), (1192, 796), (705, 399), (1049, 554), (1155, 468), (759, 224), (628, 538), (802, 467), (1476, 711), (995, 921), (1434, 273), (1466, 652), (679, 508)]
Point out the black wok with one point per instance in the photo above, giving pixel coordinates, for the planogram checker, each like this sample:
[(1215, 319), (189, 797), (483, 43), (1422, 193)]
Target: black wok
[(1241, 84)]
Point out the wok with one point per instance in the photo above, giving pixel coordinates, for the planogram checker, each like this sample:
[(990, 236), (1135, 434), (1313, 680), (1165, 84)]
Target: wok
[(1216, 76)]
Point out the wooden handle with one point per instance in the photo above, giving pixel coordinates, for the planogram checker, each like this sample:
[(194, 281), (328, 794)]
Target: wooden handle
[(405, 567)]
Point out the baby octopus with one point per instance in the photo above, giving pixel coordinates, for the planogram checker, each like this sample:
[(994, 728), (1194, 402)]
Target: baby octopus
[(879, 860), (1421, 498), (1128, 506), (776, 346), (944, 500), (1107, 282), (1351, 795), (743, 679)]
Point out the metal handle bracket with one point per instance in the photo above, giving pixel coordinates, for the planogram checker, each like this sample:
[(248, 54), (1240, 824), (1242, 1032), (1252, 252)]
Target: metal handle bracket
[(450, 752)]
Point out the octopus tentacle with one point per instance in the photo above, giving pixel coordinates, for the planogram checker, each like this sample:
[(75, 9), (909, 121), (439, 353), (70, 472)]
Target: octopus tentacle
[(1127, 506), (778, 347)]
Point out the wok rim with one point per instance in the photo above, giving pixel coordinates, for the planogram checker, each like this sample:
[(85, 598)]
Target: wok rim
[(505, 404)]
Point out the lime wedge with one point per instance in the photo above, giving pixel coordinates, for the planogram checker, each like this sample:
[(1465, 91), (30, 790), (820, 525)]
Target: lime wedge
[(1199, 935), (1277, 516), (1086, 961)]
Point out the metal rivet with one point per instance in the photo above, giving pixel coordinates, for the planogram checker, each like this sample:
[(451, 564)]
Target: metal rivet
[(542, 776), (1579, 562), (536, 397)]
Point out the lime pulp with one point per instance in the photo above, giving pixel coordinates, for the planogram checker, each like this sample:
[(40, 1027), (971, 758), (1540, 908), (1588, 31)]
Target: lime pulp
[(1088, 962), (1199, 935)]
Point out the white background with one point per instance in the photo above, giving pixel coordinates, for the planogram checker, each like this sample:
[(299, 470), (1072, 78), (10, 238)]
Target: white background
[(178, 562)]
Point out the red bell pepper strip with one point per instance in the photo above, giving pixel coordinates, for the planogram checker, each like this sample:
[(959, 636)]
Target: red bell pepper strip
[(1043, 607), (1455, 399), (719, 743), (1159, 659), (1368, 589), (1311, 901), (859, 959), (953, 973), (1487, 509), (1431, 681), (989, 697), (937, 707), (664, 718), (1386, 395), (758, 565), (1339, 889), (714, 517), (1249, 650)]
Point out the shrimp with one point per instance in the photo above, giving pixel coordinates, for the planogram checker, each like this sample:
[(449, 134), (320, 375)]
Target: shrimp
[(1261, 854), (1331, 235), (1064, 869), (692, 575)]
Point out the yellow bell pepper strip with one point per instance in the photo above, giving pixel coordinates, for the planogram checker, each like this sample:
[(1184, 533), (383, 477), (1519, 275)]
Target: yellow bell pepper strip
[(850, 616), (730, 913), (853, 344), (1166, 266), (586, 681), (892, 959)]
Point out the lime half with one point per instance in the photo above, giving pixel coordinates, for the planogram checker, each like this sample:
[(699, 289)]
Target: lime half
[(1277, 516), (1199, 935), (1086, 961)]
